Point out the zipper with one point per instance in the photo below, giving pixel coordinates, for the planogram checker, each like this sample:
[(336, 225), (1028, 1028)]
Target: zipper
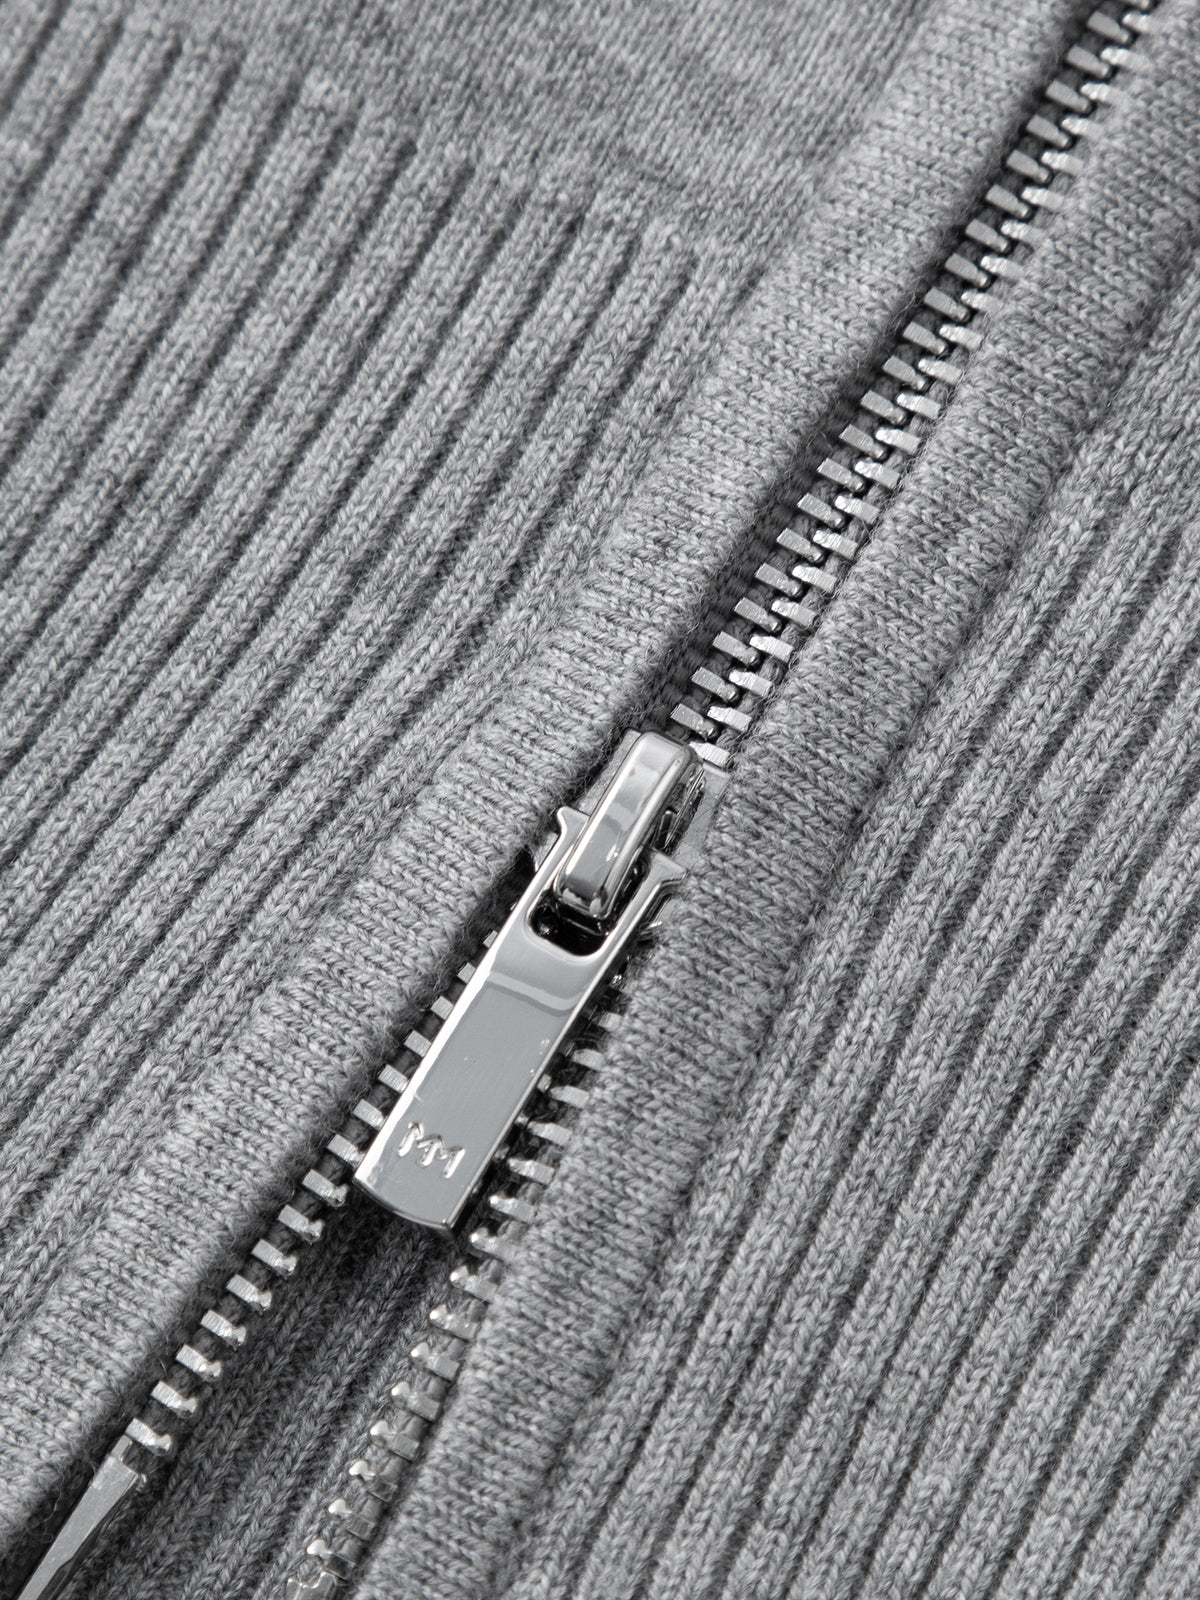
[(597, 885), (463, 1132)]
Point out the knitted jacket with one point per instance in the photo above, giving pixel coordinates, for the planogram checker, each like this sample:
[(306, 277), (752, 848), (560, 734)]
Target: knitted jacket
[(397, 399)]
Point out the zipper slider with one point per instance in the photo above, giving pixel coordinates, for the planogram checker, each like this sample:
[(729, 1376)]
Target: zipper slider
[(602, 879)]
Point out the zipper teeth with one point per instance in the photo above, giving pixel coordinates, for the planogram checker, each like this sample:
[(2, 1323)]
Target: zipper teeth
[(492, 1235), (867, 459), (781, 607), (175, 1401)]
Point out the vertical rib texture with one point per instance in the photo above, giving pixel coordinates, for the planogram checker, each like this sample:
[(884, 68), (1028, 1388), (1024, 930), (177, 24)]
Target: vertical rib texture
[(344, 359), (926, 1323), (383, 392)]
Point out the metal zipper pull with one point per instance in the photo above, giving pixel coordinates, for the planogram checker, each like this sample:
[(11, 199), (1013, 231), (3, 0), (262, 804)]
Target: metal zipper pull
[(604, 876), (114, 1482), (602, 879), (599, 883)]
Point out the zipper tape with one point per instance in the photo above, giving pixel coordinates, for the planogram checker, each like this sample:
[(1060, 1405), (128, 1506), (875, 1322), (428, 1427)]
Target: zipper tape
[(527, 1020)]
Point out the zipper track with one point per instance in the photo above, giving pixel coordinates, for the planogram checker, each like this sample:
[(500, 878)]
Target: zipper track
[(782, 606), (491, 1236), (868, 458), (783, 602)]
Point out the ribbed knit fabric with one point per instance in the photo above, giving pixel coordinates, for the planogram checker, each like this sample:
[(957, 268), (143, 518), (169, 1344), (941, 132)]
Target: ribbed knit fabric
[(928, 1325), (727, 1450), (383, 394), (334, 346)]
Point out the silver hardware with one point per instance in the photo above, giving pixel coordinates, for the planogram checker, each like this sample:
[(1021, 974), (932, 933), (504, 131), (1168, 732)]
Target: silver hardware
[(333, 1194), (249, 1293), (229, 1332), (601, 880), (595, 873), (454, 1322), (342, 1148), (188, 1356), (158, 1444), (532, 1171), (439, 1362), (418, 1401), (304, 1227), (325, 1587), (114, 1481), (370, 1116), (183, 1405), (278, 1261)]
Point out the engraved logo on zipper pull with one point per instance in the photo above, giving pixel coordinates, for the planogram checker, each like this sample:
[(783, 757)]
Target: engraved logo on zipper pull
[(603, 877), (432, 1148)]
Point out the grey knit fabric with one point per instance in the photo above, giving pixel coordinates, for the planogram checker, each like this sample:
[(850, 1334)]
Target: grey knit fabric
[(385, 392), (727, 1449)]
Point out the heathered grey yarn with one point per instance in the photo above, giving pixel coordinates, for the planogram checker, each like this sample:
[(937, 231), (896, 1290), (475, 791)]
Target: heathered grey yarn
[(902, 619), (384, 393), (305, 493)]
